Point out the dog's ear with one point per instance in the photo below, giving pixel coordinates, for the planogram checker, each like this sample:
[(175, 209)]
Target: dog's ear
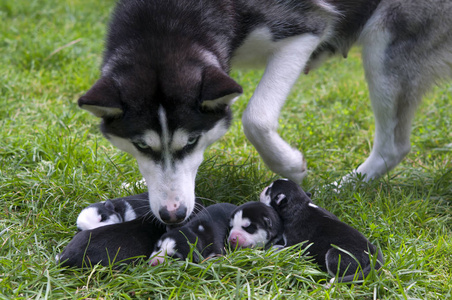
[(268, 222), (109, 205), (218, 89), (102, 99), (280, 199)]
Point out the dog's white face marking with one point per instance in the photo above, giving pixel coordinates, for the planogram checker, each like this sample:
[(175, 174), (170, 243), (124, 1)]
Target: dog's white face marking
[(89, 218), (167, 247), (238, 221), (242, 238), (152, 139), (171, 180), (180, 140), (264, 198)]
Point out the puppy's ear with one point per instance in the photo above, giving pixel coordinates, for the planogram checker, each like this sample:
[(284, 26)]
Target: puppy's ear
[(109, 205), (218, 89), (102, 99), (280, 199), (268, 222), (309, 194)]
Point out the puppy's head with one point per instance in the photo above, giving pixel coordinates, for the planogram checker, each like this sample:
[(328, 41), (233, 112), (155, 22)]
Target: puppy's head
[(179, 243), (254, 224), (284, 195), (98, 214)]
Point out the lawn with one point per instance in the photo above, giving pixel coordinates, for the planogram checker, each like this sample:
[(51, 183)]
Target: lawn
[(54, 162)]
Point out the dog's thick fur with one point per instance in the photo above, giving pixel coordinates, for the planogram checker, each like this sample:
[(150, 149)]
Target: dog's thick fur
[(165, 94)]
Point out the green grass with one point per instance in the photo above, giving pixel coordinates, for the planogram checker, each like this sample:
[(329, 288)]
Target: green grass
[(54, 162)]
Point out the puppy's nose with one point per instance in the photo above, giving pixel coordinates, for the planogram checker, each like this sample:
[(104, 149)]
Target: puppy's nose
[(156, 261), (236, 239), (174, 216)]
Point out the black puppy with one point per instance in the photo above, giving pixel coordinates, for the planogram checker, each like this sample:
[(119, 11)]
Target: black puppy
[(113, 211), (207, 230), (255, 224), (122, 242), (305, 221)]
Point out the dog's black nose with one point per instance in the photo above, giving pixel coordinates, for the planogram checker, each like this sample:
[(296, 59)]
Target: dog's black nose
[(173, 217)]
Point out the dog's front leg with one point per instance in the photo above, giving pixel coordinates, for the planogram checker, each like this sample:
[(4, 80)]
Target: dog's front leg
[(260, 119)]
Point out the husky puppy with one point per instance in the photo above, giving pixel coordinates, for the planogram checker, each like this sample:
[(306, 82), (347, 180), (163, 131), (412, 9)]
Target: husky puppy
[(305, 221), (207, 231), (113, 211), (122, 242), (164, 93), (255, 224)]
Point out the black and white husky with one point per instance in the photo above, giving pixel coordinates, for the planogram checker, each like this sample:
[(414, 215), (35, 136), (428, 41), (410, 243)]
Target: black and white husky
[(337, 247), (255, 224), (165, 94)]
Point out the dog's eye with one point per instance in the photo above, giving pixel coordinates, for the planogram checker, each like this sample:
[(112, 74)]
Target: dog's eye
[(141, 145), (192, 140), (251, 229), (103, 217)]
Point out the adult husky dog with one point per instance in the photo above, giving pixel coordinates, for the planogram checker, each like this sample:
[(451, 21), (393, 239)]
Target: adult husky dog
[(165, 94)]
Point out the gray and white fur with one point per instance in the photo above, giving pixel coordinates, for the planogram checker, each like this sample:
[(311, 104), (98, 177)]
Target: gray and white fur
[(165, 95), (207, 231), (321, 230), (255, 224)]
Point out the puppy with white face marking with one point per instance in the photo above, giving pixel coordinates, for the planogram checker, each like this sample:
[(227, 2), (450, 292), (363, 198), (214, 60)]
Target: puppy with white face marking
[(207, 231), (255, 224), (305, 221), (113, 211), (122, 242)]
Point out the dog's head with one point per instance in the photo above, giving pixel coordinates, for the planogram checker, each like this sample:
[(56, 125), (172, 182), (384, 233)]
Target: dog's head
[(165, 113), (254, 224), (284, 196)]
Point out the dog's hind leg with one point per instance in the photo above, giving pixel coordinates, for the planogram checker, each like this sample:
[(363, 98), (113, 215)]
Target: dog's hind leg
[(260, 119), (400, 66)]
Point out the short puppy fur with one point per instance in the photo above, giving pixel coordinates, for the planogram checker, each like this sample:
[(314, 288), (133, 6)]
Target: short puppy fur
[(207, 230), (305, 221), (255, 224), (123, 242)]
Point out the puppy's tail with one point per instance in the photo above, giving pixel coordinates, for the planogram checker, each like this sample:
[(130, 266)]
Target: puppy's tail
[(358, 277)]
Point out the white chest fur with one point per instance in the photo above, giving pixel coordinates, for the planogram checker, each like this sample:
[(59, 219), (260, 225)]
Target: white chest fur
[(255, 50)]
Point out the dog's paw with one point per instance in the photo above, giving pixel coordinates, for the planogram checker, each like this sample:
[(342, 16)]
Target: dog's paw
[(294, 169)]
